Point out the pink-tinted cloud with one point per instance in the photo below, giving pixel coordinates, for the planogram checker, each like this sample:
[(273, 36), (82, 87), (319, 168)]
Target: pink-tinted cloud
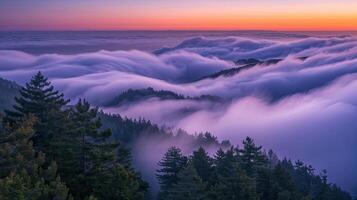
[(302, 108)]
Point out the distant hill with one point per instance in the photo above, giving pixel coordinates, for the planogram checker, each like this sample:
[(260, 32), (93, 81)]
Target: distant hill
[(128, 130), (136, 95), (243, 64), (8, 91)]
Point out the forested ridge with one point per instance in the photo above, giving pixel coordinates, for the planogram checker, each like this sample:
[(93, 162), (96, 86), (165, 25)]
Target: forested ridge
[(131, 96), (49, 150)]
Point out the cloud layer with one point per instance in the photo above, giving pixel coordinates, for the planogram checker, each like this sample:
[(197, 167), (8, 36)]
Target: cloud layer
[(302, 108)]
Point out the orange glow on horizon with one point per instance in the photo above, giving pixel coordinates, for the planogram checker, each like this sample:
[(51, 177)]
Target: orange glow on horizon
[(287, 23), (314, 15)]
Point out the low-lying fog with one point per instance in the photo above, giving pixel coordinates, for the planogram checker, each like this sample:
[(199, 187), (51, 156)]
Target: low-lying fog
[(303, 107)]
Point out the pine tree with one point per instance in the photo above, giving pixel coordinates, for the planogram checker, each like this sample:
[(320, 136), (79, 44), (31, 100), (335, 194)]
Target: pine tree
[(305, 178), (23, 171), (229, 181), (93, 163), (202, 164), (236, 186), (171, 164), (285, 188), (86, 151), (219, 156), (95, 149), (265, 184), (224, 162), (188, 187), (272, 159), (123, 155), (118, 183), (251, 156), (275, 184), (323, 193), (41, 100)]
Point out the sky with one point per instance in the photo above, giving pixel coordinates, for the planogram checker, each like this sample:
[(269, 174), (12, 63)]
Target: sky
[(290, 15)]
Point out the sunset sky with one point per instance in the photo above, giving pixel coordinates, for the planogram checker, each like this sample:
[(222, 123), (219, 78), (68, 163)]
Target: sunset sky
[(178, 15)]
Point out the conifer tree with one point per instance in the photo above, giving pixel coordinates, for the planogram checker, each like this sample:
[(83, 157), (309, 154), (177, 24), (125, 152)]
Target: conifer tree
[(118, 183), (88, 151), (124, 156), (219, 156), (23, 171), (188, 187), (170, 165), (39, 99), (229, 180), (251, 156), (272, 159), (224, 162), (202, 164), (275, 184), (323, 193), (95, 166), (236, 186), (284, 186), (95, 149)]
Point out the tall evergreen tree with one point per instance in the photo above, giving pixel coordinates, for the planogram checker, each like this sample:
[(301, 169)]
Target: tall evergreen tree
[(276, 183), (170, 165), (89, 155), (124, 156), (229, 180), (23, 172), (283, 184), (202, 164), (323, 193), (95, 149), (272, 159), (224, 162), (118, 183), (304, 175), (96, 169), (40, 99), (188, 187), (251, 156), (236, 186)]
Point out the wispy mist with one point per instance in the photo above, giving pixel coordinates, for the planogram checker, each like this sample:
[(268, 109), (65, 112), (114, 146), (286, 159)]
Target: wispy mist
[(304, 107)]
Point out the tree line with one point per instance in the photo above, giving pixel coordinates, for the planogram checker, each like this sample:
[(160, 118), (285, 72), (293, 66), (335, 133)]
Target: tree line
[(241, 174)]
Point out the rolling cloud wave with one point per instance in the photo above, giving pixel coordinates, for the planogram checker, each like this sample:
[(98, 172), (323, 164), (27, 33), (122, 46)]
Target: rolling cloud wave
[(303, 108)]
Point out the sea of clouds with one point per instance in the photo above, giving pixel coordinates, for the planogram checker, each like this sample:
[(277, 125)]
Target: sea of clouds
[(302, 108)]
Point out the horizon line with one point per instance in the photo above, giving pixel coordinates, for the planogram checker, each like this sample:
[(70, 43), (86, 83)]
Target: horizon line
[(177, 30)]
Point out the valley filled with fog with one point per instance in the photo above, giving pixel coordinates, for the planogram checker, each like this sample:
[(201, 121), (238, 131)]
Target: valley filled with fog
[(293, 93)]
